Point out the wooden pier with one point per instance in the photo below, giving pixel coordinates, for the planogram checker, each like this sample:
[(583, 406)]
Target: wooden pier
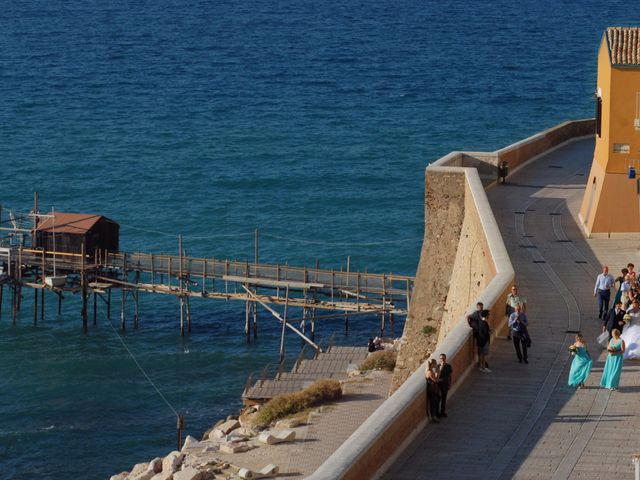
[(96, 276)]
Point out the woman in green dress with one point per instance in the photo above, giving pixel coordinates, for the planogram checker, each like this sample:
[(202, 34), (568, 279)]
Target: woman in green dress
[(613, 365), (581, 364)]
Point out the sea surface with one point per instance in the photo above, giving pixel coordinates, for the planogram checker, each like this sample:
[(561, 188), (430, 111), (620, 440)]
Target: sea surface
[(312, 121)]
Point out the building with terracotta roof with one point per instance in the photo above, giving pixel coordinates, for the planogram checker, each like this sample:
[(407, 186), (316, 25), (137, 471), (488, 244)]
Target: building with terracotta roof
[(611, 200), (73, 229)]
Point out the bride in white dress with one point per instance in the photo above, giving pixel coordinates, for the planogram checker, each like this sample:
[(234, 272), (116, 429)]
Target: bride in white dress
[(631, 332)]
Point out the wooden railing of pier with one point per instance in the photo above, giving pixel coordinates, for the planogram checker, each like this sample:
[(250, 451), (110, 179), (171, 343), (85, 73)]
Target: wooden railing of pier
[(347, 292)]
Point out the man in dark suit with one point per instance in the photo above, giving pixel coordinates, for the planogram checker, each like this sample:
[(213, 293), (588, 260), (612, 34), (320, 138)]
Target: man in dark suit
[(444, 383), (614, 319)]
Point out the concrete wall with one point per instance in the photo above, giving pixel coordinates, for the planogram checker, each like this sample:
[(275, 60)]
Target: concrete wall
[(472, 265)]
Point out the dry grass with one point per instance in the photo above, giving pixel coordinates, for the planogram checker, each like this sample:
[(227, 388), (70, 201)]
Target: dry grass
[(382, 360), (291, 403)]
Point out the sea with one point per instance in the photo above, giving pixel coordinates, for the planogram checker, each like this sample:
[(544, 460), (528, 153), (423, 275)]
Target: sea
[(310, 121)]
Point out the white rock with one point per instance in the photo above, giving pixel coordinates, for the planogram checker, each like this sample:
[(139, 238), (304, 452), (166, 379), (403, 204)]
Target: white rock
[(172, 461), (246, 431), (189, 440), (234, 447), (228, 426), (155, 465), (163, 476), (120, 476), (209, 448), (137, 469), (288, 423), (235, 438), (216, 434), (188, 473)]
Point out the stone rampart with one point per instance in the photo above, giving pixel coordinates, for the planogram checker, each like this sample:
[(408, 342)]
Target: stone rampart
[(463, 261)]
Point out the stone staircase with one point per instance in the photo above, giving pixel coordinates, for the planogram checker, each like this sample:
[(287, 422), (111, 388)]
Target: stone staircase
[(332, 364)]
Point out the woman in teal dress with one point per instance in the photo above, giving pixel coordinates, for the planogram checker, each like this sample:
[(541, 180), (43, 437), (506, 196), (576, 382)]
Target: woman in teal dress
[(581, 364), (613, 365)]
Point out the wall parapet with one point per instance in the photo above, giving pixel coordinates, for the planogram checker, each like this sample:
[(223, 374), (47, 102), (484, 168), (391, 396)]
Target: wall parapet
[(376, 444)]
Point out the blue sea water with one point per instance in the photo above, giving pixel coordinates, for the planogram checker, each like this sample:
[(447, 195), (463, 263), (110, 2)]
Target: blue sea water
[(312, 121)]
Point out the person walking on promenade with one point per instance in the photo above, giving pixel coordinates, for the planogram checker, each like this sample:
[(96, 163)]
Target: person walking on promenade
[(613, 365), (513, 299), (444, 383), (518, 323), (432, 391), (620, 280), (602, 290), (581, 363), (632, 273), (614, 319), (481, 335)]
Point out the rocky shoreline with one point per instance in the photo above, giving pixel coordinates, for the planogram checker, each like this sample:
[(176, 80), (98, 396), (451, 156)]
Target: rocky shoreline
[(212, 457)]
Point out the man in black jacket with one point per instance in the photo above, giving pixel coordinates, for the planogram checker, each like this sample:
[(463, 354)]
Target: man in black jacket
[(444, 383), (614, 319)]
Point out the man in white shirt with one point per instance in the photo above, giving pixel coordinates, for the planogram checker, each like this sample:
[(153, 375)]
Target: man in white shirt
[(602, 290)]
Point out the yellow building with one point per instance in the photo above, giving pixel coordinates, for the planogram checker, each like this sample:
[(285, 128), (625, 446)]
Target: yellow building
[(611, 202)]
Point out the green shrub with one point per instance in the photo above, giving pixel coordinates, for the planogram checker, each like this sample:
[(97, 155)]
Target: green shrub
[(428, 329), (287, 404), (382, 360)]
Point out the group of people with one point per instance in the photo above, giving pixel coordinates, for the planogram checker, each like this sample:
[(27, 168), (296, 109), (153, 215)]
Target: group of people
[(620, 328), (621, 324), (518, 325), (582, 362)]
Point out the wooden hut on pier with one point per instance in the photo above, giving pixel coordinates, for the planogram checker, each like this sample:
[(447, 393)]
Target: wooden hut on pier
[(74, 229)]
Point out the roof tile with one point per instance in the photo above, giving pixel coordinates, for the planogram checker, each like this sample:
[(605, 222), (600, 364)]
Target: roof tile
[(624, 45)]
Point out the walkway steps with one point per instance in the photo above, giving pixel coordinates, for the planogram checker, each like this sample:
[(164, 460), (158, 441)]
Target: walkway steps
[(332, 364)]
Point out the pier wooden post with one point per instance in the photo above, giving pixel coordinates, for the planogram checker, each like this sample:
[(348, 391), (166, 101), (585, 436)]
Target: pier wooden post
[(254, 307), (122, 306), (188, 307), (83, 284), (14, 303), (42, 276), (109, 303), (35, 307), (284, 325), (136, 311), (1, 295), (136, 293), (247, 330), (95, 309), (181, 297), (59, 304), (19, 271), (391, 324)]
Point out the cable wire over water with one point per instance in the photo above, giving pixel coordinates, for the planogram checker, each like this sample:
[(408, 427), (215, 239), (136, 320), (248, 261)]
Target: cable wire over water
[(142, 370)]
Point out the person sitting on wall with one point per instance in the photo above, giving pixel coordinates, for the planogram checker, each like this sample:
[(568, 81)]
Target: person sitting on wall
[(371, 347)]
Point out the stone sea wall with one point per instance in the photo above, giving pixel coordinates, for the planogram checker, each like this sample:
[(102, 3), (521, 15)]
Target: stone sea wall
[(463, 260)]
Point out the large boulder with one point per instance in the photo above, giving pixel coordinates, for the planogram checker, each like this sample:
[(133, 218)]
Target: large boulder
[(163, 476), (188, 473), (137, 469), (153, 467), (228, 426), (172, 461), (120, 476)]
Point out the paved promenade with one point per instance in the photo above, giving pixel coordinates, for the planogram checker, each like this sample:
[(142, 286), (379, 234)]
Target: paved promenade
[(523, 421)]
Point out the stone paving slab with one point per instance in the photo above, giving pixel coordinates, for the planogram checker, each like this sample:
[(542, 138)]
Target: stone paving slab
[(324, 432), (523, 421)]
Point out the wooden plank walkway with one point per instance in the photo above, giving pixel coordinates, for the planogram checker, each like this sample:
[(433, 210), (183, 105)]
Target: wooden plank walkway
[(332, 364)]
